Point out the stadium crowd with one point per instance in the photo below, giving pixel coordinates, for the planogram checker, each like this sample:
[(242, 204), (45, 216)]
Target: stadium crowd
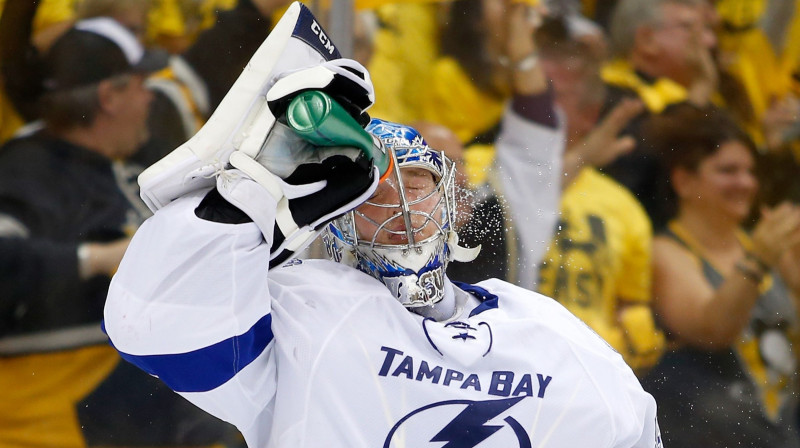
[(667, 216)]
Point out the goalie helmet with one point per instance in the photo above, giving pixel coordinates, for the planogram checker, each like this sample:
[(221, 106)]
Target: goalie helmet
[(403, 235)]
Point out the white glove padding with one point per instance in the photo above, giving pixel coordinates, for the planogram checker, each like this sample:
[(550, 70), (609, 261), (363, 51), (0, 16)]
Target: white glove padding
[(292, 188), (345, 80)]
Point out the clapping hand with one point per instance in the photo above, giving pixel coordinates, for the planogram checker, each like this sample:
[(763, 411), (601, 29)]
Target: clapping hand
[(777, 231)]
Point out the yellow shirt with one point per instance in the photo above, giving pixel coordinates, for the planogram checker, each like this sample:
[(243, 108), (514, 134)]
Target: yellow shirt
[(454, 101), (402, 60), (599, 266), (414, 82)]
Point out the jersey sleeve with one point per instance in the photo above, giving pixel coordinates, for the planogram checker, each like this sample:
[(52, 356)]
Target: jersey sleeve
[(613, 403), (634, 414), (628, 414), (529, 162), (190, 305)]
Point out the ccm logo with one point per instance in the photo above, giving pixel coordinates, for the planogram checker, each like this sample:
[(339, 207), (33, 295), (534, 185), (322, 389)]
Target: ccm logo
[(323, 39)]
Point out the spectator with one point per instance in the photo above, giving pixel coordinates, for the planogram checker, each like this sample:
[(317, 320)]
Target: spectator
[(515, 209), (185, 93), (662, 51), (402, 59), (470, 81), (599, 262), (448, 50), (724, 297), (663, 45), (65, 225), (758, 46)]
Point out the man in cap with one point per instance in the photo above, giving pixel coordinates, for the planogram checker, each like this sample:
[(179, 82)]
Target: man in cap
[(64, 225)]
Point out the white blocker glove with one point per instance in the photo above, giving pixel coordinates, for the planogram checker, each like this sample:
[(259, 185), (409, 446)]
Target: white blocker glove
[(289, 187), (345, 80), (292, 188)]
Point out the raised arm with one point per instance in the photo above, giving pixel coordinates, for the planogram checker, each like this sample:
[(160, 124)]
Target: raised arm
[(530, 147), (191, 301), (189, 305)]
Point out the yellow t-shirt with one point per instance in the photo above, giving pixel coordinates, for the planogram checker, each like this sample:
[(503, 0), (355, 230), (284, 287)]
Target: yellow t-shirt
[(402, 59), (414, 82), (454, 101), (599, 266)]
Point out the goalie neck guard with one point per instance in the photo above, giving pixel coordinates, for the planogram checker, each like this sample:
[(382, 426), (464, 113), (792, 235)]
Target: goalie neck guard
[(403, 235)]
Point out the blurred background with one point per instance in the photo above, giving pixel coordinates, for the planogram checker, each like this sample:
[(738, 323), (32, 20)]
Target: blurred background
[(672, 169)]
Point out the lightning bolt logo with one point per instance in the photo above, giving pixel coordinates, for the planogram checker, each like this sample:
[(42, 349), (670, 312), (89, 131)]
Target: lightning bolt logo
[(469, 428)]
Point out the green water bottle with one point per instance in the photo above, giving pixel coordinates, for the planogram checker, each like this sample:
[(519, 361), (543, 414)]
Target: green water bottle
[(316, 117)]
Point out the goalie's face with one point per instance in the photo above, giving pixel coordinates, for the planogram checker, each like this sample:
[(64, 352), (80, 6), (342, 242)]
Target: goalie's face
[(402, 212), (401, 234)]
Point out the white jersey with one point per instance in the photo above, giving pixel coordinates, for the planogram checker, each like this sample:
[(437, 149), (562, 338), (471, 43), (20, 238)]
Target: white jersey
[(317, 354)]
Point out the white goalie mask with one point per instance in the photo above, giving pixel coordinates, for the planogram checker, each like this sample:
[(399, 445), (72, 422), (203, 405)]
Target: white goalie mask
[(403, 235)]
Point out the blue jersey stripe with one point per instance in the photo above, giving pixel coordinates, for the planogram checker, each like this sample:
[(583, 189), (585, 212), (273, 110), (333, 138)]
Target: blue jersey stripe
[(209, 367), (488, 300)]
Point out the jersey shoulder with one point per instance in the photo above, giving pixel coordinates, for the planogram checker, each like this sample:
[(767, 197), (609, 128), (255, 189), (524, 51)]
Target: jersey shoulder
[(576, 351), (549, 316)]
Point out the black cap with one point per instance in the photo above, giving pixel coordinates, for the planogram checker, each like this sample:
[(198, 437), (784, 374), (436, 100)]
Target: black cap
[(96, 49)]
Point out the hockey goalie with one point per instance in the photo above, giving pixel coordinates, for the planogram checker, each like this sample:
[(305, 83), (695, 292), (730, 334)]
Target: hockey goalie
[(374, 347)]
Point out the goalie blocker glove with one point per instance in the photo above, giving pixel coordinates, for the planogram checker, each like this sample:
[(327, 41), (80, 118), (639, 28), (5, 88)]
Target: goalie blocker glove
[(345, 80), (291, 188)]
